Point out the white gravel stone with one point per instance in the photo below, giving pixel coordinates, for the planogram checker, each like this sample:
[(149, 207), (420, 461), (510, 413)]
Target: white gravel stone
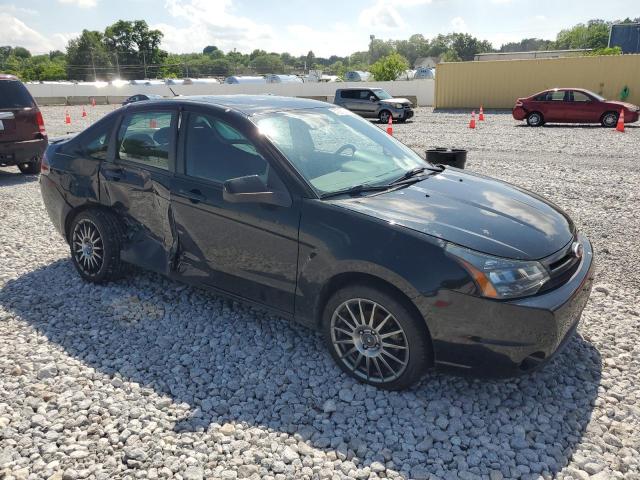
[(147, 377)]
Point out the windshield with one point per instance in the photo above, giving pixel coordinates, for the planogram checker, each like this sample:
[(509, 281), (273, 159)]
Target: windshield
[(382, 94), (334, 149)]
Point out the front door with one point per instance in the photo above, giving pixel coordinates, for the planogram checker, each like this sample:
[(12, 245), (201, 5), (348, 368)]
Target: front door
[(246, 249), (136, 182), (582, 107)]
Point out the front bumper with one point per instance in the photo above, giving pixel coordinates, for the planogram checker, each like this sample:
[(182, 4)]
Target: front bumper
[(503, 338), (631, 117), (404, 114), (14, 153)]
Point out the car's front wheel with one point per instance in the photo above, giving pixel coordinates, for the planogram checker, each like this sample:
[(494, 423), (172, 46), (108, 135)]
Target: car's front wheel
[(384, 116), (609, 119), (30, 168), (375, 338), (535, 119), (95, 241)]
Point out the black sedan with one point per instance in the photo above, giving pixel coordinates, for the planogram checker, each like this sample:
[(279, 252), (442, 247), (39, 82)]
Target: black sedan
[(311, 211), (141, 97)]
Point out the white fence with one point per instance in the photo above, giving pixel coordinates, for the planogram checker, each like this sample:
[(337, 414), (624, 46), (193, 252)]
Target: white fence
[(422, 91)]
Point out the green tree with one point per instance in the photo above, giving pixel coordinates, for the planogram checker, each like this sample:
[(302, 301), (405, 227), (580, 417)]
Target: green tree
[(527, 45), (21, 52), (605, 51), (267, 64), (135, 47), (84, 52), (450, 56), (389, 67), (593, 34)]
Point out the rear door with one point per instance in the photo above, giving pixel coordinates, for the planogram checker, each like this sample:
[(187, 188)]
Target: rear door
[(246, 249), (17, 113), (136, 182), (554, 108)]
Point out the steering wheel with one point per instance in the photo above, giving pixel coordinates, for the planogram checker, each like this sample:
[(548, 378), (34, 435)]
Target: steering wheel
[(344, 147)]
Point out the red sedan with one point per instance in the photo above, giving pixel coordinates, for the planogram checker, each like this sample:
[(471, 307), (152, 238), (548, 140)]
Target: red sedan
[(572, 105)]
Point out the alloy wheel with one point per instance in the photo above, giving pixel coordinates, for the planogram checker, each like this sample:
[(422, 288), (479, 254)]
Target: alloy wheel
[(610, 120), (384, 117), (88, 247), (369, 340)]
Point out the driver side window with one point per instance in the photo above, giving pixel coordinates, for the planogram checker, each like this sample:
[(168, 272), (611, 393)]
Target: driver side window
[(216, 151)]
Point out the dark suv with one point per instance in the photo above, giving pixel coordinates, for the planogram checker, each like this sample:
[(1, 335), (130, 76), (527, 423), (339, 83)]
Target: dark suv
[(23, 137)]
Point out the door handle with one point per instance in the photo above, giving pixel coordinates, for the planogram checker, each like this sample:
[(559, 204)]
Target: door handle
[(194, 196)]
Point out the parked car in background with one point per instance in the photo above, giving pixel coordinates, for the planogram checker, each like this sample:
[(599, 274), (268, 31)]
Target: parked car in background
[(23, 138), (374, 103), (572, 105), (140, 97), (318, 215)]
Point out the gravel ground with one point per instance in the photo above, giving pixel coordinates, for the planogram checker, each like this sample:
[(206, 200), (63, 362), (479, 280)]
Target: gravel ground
[(146, 378)]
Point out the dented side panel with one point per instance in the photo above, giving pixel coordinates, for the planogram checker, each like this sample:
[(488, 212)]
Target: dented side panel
[(142, 199)]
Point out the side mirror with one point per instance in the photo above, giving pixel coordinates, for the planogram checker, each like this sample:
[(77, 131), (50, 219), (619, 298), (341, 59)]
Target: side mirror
[(372, 98), (251, 189)]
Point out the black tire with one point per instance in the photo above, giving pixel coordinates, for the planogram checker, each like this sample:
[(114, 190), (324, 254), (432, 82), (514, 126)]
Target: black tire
[(609, 119), (535, 119), (30, 168), (106, 264), (384, 115), (414, 336)]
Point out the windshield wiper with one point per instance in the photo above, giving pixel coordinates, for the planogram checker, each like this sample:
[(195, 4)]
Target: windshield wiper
[(361, 188), (414, 172)]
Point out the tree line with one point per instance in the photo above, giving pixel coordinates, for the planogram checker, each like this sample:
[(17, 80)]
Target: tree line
[(131, 50)]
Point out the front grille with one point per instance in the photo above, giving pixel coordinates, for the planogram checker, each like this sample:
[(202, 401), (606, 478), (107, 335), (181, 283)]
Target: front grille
[(561, 267)]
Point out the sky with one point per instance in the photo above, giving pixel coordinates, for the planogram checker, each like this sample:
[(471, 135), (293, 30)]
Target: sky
[(328, 27)]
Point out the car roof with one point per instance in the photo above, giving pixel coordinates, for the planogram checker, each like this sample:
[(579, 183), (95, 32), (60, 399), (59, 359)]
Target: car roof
[(6, 76), (252, 104), (361, 88)]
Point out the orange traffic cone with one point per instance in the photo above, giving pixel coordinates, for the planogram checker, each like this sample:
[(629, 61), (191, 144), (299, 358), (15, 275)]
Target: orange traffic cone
[(93, 102), (84, 112), (620, 125), (481, 116), (472, 123), (67, 118), (390, 125)]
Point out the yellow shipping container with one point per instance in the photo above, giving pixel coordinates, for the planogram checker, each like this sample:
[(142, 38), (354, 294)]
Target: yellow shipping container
[(497, 84)]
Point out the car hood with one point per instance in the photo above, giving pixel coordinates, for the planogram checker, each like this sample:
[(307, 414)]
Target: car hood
[(396, 100), (474, 211)]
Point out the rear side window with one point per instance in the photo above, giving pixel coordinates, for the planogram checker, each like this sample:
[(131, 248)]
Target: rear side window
[(558, 96), (349, 94), (93, 142), (14, 94), (144, 138)]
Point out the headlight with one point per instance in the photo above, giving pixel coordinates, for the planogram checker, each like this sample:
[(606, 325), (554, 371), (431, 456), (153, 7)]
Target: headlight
[(399, 105), (500, 278)]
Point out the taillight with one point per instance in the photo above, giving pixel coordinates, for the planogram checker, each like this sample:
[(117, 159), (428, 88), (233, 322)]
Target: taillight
[(45, 168), (519, 103), (40, 121)]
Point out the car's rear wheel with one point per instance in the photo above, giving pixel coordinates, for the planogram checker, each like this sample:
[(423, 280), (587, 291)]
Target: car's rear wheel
[(30, 167), (384, 116), (375, 338), (95, 240), (535, 119), (609, 119)]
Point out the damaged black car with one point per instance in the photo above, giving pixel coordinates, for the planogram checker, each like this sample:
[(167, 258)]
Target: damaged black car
[(308, 210)]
